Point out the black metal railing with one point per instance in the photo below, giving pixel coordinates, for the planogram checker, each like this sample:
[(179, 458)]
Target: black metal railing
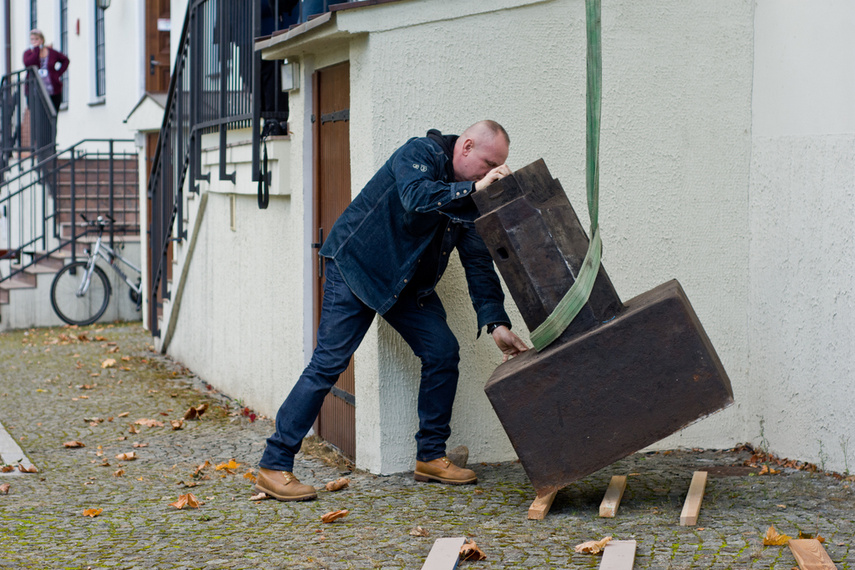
[(214, 88), (27, 121), (42, 209)]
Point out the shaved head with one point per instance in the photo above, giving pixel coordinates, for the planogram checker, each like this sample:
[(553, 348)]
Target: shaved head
[(481, 148)]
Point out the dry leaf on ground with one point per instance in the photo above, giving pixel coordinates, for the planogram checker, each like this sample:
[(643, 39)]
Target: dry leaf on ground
[(123, 415), (334, 515), (138, 444), (74, 444), (7, 468), (92, 512), (194, 413), (249, 475), (176, 424), (338, 484), (118, 473), (230, 466), (30, 469), (129, 456), (188, 500), (109, 363), (592, 546), (199, 468), (470, 551), (148, 422), (259, 497), (419, 531), (4, 488), (775, 538)]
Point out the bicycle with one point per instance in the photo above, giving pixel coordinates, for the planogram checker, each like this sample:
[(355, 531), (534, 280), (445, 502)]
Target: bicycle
[(80, 292)]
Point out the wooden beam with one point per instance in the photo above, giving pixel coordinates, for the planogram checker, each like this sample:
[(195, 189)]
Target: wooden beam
[(810, 554), (540, 506), (444, 554), (618, 555), (692, 506), (611, 501)]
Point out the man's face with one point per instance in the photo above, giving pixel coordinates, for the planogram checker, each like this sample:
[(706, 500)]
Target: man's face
[(478, 155)]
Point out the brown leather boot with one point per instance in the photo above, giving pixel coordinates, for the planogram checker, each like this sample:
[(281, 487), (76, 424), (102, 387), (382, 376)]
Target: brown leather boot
[(443, 471), (283, 485)]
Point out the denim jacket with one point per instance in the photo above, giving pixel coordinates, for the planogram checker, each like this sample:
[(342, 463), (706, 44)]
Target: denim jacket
[(408, 218)]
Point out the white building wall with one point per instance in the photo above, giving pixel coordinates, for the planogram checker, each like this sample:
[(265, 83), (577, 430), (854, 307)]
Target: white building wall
[(674, 168), (801, 230)]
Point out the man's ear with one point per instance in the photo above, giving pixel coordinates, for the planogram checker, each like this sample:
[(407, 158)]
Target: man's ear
[(468, 145)]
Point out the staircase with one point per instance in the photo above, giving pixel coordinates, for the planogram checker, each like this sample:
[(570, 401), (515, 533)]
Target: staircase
[(42, 225)]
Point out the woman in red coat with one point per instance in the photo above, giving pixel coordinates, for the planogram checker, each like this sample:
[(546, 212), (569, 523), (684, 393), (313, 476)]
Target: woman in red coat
[(50, 63)]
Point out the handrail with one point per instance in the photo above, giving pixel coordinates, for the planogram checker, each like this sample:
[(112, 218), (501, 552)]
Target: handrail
[(213, 88), (16, 88), (40, 206)]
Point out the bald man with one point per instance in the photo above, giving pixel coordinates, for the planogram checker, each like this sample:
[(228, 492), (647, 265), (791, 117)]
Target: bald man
[(385, 255)]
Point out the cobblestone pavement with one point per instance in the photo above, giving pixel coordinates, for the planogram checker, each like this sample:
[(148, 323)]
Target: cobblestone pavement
[(53, 389)]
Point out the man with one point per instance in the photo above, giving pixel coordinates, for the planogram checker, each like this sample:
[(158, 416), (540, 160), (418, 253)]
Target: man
[(385, 255)]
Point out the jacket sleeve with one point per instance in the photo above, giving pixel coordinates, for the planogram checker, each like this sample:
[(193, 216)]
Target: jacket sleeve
[(31, 58), (419, 171), (63, 62), (485, 289)]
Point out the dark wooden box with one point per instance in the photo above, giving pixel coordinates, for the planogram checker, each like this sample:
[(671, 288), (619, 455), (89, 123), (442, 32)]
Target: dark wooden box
[(592, 398)]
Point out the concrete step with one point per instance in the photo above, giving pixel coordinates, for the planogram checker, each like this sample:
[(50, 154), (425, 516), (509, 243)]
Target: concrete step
[(20, 281)]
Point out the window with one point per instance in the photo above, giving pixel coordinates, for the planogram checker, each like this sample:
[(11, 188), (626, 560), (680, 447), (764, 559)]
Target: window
[(34, 20), (100, 79), (63, 43)]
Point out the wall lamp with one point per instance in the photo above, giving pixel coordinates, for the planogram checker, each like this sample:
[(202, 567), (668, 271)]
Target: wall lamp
[(290, 78)]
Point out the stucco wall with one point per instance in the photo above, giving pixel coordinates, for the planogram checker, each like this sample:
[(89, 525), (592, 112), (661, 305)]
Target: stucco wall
[(802, 236), (674, 166), (240, 320)]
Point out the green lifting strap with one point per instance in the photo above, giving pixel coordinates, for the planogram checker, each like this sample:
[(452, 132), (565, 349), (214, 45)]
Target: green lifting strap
[(577, 296)]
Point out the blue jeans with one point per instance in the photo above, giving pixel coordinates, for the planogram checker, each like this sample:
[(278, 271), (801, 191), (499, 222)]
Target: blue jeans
[(344, 321)]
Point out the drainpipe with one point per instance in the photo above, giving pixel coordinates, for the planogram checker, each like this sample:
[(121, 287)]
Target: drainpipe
[(8, 16)]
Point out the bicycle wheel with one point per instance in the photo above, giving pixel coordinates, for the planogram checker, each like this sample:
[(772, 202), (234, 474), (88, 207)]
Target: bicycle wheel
[(84, 309)]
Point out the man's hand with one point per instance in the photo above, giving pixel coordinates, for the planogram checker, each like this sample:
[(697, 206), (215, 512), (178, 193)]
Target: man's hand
[(509, 343), (495, 174)]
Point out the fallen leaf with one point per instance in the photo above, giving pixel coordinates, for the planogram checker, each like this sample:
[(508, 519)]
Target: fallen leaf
[(100, 338), (4, 488), (118, 473), (199, 468), (148, 422), (113, 349), (194, 413), (123, 415), (249, 475), (74, 444), (108, 363), (87, 386), (133, 429), (338, 484), (333, 515), (592, 546), (129, 456), (189, 484), (470, 551), (259, 497), (419, 531), (177, 424), (138, 444), (94, 421), (230, 466), (188, 500), (92, 512), (126, 358), (7, 468), (774, 538)]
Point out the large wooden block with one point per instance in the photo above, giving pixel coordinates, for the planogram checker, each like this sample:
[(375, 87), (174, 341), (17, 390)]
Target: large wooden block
[(590, 399)]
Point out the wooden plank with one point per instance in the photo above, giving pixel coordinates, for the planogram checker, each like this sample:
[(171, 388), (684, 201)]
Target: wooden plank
[(692, 506), (618, 555), (540, 506), (810, 554), (444, 554), (611, 501)]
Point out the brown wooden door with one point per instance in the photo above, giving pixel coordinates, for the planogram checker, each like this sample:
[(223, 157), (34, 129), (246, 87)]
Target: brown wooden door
[(331, 110), (157, 46)]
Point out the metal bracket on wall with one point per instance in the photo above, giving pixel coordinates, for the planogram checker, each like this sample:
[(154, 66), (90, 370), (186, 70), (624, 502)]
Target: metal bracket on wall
[(343, 115)]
